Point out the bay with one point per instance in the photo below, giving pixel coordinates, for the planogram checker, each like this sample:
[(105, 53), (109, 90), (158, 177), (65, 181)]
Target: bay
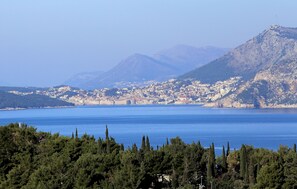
[(267, 128)]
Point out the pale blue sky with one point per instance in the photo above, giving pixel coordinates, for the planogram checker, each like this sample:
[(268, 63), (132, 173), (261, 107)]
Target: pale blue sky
[(42, 43)]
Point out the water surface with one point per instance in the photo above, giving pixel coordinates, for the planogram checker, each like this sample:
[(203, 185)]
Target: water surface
[(267, 128)]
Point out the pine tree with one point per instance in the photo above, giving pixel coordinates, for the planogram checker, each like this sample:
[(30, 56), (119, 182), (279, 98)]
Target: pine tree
[(148, 145)]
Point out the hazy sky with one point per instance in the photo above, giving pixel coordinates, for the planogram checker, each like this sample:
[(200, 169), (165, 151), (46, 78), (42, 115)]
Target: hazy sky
[(43, 43)]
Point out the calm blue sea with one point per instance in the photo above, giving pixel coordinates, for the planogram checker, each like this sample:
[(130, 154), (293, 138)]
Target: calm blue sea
[(267, 128)]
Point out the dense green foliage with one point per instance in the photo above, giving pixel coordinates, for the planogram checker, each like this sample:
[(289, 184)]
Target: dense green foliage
[(9, 100), (30, 159)]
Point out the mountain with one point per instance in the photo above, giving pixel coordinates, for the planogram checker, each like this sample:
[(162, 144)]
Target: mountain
[(79, 79), (262, 51), (267, 65), (137, 68), (186, 58), (141, 69), (13, 101)]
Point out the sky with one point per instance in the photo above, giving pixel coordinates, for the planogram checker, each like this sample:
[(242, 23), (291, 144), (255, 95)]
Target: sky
[(43, 43)]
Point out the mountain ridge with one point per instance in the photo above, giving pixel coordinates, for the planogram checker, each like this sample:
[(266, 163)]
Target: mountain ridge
[(267, 64), (165, 64)]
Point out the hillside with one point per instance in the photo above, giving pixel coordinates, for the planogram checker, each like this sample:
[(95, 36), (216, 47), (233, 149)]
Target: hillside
[(135, 68), (186, 58), (271, 46), (13, 101), (79, 79), (267, 63), (138, 70)]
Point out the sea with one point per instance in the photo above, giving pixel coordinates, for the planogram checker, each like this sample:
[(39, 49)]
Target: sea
[(261, 128)]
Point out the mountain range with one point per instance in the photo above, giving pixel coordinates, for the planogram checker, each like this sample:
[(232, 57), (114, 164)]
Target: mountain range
[(260, 73), (138, 69), (267, 65)]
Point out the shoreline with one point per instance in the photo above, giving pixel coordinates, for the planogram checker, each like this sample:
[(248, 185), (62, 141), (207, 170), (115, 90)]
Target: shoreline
[(206, 105), (31, 108)]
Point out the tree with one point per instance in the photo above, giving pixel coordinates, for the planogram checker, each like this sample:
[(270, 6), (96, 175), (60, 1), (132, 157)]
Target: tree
[(107, 140), (143, 145), (76, 134), (211, 163), (290, 170), (228, 149), (243, 162), (270, 176), (148, 145), (224, 160)]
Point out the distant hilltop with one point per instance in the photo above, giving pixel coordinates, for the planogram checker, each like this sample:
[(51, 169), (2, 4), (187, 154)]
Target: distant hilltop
[(140, 69), (266, 63)]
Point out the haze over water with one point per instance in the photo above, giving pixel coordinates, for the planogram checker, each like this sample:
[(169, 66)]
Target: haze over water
[(266, 128)]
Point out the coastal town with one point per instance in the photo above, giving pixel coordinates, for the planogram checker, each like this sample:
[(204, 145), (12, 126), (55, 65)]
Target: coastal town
[(170, 92)]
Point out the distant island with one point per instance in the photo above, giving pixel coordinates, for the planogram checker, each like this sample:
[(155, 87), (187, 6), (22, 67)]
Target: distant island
[(31, 159)]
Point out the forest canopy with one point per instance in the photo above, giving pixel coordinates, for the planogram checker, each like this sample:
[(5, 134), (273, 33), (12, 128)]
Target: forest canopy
[(31, 159)]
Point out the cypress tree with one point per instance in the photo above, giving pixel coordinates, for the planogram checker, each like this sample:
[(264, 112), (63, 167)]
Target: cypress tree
[(243, 162), (294, 148), (143, 145), (107, 140), (228, 149), (100, 145), (148, 145), (76, 134), (72, 136), (134, 148), (224, 161), (167, 142), (106, 133), (211, 163)]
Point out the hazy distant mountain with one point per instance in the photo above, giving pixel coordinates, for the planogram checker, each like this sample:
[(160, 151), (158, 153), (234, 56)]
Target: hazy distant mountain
[(81, 78), (186, 58), (136, 68), (139, 69), (268, 64)]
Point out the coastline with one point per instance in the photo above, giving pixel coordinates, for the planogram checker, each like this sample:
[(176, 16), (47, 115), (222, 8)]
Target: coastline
[(47, 107), (204, 105)]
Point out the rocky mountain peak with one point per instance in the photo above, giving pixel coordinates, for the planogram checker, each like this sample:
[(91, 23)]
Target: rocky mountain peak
[(276, 31)]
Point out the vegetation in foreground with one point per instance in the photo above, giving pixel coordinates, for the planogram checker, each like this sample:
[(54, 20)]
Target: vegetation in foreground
[(30, 159)]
